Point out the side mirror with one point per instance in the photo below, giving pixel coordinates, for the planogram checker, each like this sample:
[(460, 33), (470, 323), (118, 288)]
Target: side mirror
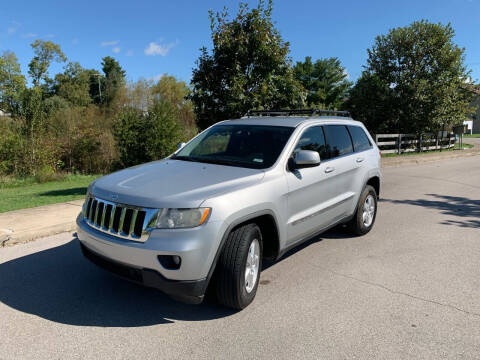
[(180, 145), (305, 159)]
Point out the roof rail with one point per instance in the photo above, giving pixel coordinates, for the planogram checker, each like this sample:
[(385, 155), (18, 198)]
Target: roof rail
[(307, 112)]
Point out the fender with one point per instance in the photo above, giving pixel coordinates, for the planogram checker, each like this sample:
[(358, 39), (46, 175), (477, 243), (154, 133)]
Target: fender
[(230, 227)]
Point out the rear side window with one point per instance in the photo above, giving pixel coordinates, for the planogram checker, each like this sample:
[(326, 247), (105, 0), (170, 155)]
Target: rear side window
[(360, 139), (338, 141), (313, 139)]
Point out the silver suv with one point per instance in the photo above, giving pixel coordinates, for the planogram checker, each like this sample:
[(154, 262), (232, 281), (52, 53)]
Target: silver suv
[(240, 192)]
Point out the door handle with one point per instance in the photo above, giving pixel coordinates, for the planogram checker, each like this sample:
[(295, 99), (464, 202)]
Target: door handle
[(360, 159), (329, 169)]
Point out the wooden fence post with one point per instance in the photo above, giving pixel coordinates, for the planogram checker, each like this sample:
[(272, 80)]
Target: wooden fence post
[(399, 144), (420, 143)]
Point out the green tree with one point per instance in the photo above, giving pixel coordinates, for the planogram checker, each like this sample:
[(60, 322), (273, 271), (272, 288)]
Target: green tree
[(45, 52), (114, 79), (248, 68), (325, 81), (130, 129), (176, 93), (370, 101), (12, 82), (423, 76), (163, 129), (146, 136), (39, 152), (74, 84)]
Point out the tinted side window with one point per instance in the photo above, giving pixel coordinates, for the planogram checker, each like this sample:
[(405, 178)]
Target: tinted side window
[(360, 139), (338, 140), (313, 139)]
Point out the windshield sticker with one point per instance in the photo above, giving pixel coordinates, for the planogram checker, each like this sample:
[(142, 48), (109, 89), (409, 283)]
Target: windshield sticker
[(258, 160)]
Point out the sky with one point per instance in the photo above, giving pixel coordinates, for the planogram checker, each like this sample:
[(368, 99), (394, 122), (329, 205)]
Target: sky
[(151, 38)]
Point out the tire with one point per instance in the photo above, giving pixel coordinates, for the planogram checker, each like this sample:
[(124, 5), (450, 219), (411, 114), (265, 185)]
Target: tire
[(358, 224), (233, 289)]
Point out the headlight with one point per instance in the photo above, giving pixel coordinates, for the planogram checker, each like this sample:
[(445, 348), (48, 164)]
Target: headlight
[(182, 218)]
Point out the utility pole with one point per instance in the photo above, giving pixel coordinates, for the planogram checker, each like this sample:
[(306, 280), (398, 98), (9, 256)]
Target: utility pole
[(99, 87)]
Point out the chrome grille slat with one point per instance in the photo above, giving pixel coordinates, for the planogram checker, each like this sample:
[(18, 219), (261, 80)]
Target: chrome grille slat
[(133, 222), (91, 210), (112, 216), (122, 219), (102, 223), (100, 215)]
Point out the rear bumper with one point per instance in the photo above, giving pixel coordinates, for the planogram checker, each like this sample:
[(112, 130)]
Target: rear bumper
[(190, 291)]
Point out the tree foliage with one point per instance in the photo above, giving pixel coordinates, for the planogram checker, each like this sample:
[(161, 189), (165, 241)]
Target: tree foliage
[(326, 82), (421, 76), (74, 84), (114, 79), (248, 68), (85, 120), (45, 52), (12, 82), (146, 136)]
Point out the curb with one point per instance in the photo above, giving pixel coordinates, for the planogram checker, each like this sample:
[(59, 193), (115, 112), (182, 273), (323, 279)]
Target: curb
[(9, 237), (25, 225), (421, 159)]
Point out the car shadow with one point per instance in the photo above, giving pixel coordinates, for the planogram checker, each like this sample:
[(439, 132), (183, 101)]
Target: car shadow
[(58, 284), (337, 232), (455, 206), (74, 191)]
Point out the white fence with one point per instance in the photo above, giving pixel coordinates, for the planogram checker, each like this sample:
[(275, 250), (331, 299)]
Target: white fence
[(402, 143)]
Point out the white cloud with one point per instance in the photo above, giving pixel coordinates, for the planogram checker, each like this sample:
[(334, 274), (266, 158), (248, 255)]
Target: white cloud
[(12, 29), (29, 35), (156, 77), (109, 43), (159, 49), (129, 53), (116, 49)]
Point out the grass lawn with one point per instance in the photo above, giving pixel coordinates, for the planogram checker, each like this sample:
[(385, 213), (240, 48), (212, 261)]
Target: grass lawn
[(471, 135), (25, 193), (457, 146)]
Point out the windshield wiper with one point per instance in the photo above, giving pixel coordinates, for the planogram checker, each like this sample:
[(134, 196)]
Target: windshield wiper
[(207, 160), (185, 158)]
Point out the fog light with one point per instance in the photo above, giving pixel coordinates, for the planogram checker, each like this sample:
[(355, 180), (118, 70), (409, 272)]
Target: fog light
[(170, 262), (176, 259)]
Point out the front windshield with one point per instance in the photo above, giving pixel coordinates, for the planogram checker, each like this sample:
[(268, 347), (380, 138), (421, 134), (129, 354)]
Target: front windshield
[(250, 146)]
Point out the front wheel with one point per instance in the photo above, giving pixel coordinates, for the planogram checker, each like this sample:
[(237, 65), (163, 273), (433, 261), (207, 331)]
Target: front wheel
[(239, 267), (364, 218)]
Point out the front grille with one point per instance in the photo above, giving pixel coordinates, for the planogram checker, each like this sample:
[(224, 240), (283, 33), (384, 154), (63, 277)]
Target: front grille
[(121, 220)]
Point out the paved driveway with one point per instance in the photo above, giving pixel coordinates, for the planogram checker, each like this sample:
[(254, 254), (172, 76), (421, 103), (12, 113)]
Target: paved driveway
[(407, 290)]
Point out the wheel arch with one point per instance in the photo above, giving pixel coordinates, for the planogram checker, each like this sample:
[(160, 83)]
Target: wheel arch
[(374, 181), (268, 224)]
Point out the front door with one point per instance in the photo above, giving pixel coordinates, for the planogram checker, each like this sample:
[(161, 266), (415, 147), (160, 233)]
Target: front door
[(310, 190)]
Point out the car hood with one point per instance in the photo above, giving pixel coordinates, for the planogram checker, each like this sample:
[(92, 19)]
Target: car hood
[(172, 183)]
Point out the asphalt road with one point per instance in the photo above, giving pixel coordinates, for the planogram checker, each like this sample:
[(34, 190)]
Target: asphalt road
[(407, 290)]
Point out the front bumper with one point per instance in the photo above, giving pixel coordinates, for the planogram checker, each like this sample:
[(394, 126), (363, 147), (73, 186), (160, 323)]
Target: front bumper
[(188, 291), (138, 261)]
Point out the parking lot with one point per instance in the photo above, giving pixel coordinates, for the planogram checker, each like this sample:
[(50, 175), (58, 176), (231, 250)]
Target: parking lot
[(410, 289)]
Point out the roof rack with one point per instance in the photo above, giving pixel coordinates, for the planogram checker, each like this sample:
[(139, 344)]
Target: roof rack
[(308, 112)]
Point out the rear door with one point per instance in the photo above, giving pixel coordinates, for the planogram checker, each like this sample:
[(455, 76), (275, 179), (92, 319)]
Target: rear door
[(342, 167), (365, 157)]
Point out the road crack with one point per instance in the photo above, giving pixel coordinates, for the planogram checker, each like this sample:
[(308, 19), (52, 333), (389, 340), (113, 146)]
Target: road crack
[(396, 292)]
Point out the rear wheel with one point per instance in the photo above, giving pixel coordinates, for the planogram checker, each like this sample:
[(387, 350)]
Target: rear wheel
[(238, 268), (364, 218)]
